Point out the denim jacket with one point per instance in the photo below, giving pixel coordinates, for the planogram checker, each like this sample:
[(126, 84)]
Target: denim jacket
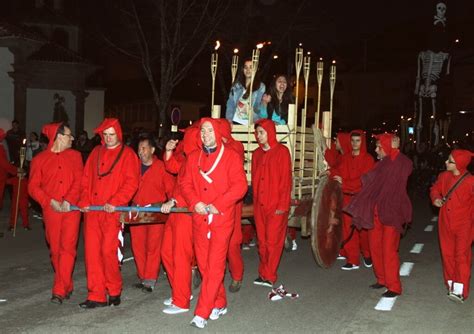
[(236, 93)]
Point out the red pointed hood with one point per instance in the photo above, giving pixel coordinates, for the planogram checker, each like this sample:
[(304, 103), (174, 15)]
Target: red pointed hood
[(345, 142), (386, 143), (217, 130), (50, 130), (3, 134), (109, 123), (226, 130), (363, 138), (462, 158), (190, 139), (269, 127)]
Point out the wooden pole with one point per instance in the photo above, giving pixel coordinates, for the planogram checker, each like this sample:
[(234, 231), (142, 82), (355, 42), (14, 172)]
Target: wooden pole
[(332, 84), (255, 60), (319, 80), (20, 176), (307, 65)]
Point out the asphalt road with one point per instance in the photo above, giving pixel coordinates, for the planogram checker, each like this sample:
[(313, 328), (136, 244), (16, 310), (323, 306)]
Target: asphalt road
[(331, 300)]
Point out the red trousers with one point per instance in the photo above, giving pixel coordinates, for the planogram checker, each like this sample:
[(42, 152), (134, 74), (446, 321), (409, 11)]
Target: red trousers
[(359, 242), (248, 233), (101, 243), (146, 247), (62, 232), (455, 242), (234, 255), (22, 202), (178, 256), (211, 257), (271, 233), (384, 241)]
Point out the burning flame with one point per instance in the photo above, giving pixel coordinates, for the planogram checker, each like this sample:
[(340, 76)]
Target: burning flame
[(260, 45), (24, 141), (236, 50), (334, 62), (218, 45), (320, 58)]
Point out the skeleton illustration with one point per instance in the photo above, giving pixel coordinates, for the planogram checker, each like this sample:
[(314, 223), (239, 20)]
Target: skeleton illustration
[(440, 17), (430, 65)]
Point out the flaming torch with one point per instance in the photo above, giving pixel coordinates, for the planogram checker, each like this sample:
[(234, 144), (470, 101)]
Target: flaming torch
[(332, 84), (214, 58), (235, 64), (20, 176)]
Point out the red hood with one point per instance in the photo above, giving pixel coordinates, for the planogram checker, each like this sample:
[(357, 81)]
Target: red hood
[(50, 130), (345, 142), (109, 123), (225, 128), (363, 137), (462, 158), (3, 134), (269, 127), (190, 139), (217, 130), (386, 143)]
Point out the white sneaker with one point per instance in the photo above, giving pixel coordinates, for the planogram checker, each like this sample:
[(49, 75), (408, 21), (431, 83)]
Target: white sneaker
[(252, 243), (173, 309), (198, 322), (434, 219), (294, 246), (340, 257), (169, 301), (217, 312), (245, 247)]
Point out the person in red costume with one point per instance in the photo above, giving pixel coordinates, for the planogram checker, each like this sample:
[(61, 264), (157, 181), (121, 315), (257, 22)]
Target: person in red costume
[(271, 182), (177, 251), (455, 222), (156, 186), (383, 207), (341, 146), (212, 184), (234, 256), (55, 183), (351, 167), (6, 168), (23, 200), (111, 177)]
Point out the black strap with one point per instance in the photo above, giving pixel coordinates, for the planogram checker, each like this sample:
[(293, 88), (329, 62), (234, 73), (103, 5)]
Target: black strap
[(453, 188), (349, 237), (119, 155)]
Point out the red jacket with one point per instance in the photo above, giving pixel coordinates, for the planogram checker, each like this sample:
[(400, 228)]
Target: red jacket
[(5, 166), (56, 176), (155, 186), (459, 208), (228, 184), (272, 172)]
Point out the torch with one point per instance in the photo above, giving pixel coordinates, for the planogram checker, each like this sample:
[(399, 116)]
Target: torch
[(214, 58), (235, 64), (20, 176), (332, 84), (306, 68)]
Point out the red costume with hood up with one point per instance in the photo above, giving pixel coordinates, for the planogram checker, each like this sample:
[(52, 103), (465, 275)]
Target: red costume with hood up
[(234, 256), (271, 182), (111, 176), (350, 169), (156, 186), (382, 206), (177, 249), (332, 155), (214, 177), (5, 167), (58, 176), (456, 224)]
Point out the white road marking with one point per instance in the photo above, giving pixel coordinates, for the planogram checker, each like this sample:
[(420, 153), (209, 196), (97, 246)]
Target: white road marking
[(128, 259), (3, 300), (429, 228), (434, 219), (385, 304), (417, 248), (406, 268)]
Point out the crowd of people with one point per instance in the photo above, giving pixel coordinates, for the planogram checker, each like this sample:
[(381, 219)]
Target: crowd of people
[(203, 173)]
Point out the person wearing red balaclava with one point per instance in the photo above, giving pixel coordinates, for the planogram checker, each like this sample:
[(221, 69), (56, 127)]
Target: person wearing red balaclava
[(156, 186), (271, 182), (234, 256), (177, 251), (456, 222), (353, 164), (383, 207), (6, 167), (212, 184), (111, 178), (55, 183)]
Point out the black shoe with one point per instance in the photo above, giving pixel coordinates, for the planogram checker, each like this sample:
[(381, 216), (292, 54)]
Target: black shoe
[(377, 286), (114, 300), (147, 289), (263, 282), (390, 294), (138, 285), (27, 228), (235, 286), (367, 262), (349, 266), (88, 304), (56, 299)]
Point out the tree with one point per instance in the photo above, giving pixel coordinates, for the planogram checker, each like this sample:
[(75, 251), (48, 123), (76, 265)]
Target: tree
[(164, 37)]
